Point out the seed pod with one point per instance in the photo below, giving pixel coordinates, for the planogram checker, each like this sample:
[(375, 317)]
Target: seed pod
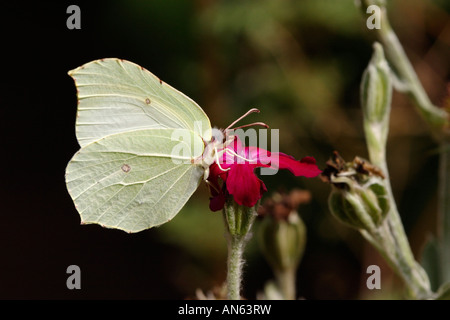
[(283, 241), (361, 207)]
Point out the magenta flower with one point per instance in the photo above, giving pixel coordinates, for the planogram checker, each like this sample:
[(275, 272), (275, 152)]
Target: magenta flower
[(236, 170)]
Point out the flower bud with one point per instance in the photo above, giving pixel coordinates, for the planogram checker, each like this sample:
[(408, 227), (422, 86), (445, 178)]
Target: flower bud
[(283, 241), (282, 233), (376, 88)]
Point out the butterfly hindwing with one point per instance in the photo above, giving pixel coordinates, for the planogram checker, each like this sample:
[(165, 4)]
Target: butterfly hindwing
[(133, 180)]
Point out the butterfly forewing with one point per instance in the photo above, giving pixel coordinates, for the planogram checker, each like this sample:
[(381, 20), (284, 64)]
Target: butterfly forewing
[(118, 96)]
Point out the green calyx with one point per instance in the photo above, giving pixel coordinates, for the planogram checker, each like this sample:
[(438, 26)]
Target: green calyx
[(239, 219)]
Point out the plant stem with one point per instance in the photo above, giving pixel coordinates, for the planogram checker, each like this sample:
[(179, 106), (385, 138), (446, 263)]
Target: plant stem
[(234, 267), (390, 238), (238, 221), (286, 282), (437, 118)]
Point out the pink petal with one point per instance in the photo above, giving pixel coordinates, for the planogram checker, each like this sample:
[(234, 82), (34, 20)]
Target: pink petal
[(306, 167), (228, 159), (243, 184), (215, 172), (217, 202)]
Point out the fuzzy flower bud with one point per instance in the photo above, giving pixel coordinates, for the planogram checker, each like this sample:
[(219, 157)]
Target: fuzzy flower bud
[(376, 87)]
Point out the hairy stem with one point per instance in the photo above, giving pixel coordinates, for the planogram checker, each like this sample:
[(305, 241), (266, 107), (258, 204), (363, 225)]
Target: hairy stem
[(234, 267), (238, 221), (391, 240)]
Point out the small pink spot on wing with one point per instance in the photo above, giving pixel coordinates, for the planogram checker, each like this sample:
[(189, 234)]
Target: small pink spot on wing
[(126, 168)]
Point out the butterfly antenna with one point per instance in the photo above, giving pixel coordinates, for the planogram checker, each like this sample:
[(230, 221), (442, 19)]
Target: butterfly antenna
[(251, 125), (253, 110)]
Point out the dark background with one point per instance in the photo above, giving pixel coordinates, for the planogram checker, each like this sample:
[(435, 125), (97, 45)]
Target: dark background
[(300, 62)]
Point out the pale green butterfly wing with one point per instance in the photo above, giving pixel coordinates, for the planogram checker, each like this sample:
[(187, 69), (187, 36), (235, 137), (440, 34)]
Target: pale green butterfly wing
[(135, 180), (117, 96)]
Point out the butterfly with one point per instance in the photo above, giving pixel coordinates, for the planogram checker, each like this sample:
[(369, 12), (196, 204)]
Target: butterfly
[(145, 147)]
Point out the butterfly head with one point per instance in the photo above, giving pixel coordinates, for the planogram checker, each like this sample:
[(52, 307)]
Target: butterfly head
[(221, 140)]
